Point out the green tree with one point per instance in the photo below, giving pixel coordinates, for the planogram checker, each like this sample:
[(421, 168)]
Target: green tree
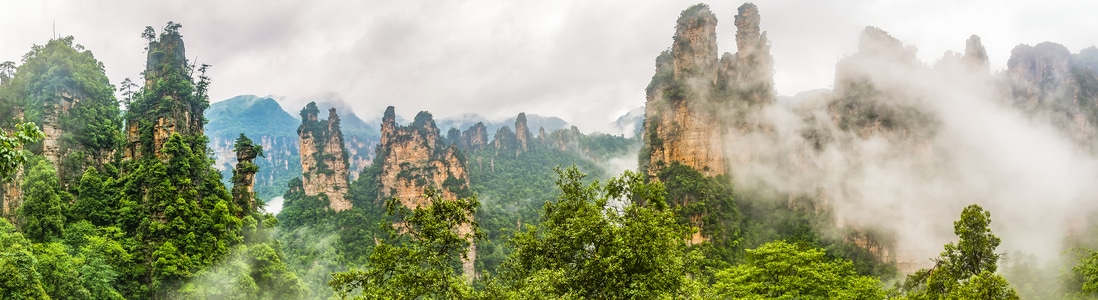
[(41, 215), (587, 247), (420, 257), (1083, 282), (12, 157), (63, 84), (966, 269), (779, 270), (254, 270), (96, 202), (19, 276), (706, 203), (102, 256), (7, 71), (60, 272)]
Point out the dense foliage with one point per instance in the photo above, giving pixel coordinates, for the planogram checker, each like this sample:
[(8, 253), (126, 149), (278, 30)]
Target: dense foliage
[(418, 258), (780, 270), (150, 223), (586, 247), (12, 155), (967, 269), (62, 85)]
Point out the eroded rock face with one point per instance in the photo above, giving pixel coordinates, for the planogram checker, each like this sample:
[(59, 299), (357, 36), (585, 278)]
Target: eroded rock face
[(323, 158), (172, 113), (522, 133), (51, 127), (11, 195), (872, 101), (414, 158), (563, 139), (751, 76), (1059, 87), (695, 43), (359, 154), (1040, 73), (976, 55), (244, 175), (474, 138), (695, 102)]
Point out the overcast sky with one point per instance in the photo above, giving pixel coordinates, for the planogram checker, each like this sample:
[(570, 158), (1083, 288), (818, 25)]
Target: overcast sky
[(585, 61)]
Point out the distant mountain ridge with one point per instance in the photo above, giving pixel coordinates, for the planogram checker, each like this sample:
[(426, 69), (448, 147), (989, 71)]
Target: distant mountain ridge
[(534, 121), (265, 121), (250, 114)]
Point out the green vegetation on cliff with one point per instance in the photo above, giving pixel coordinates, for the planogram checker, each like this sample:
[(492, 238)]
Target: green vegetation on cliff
[(61, 87), (152, 222)]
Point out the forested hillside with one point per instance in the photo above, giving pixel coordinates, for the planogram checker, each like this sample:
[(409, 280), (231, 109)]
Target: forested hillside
[(715, 189), (148, 218)]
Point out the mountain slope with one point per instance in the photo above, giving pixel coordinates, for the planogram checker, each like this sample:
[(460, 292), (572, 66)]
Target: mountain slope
[(264, 121)]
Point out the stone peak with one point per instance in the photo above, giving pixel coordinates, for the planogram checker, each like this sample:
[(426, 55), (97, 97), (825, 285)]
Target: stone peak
[(877, 42), (309, 112), (389, 116), (332, 115), (749, 36), (424, 119), (695, 42), (696, 16), (748, 8), (700, 10), (976, 54), (748, 19)]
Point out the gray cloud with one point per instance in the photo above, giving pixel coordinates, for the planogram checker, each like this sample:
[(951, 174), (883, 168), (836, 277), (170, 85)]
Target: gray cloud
[(585, 61)]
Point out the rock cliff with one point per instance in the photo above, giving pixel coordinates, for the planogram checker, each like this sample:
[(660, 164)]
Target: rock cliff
[(264, 120), (51, 126), (696, 102), (870, 101), (323, 158), (522, 132), (474, 138), (244, 173), (1050, 83), (167, 109), (62, 87), (414, 158)]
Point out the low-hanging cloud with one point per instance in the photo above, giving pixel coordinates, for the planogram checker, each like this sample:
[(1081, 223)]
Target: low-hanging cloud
[(585, 61), (975, 147)]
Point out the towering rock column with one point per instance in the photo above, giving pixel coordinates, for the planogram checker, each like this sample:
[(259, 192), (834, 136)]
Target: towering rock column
[(474, 138), (976, 56), (414, 158), (244, 173), (697, 103), (680, 126), (751, 78), (522, 132), (323, 158), (164, 111)]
